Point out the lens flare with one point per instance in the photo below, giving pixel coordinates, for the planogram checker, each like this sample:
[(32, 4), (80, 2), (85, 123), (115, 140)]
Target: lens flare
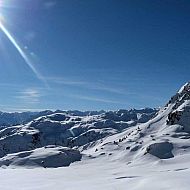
[(1, 18), (1, 3), (21, 52)]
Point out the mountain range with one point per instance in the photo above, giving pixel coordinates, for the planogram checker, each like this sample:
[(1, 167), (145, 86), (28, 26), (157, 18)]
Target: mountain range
[(118, 149)]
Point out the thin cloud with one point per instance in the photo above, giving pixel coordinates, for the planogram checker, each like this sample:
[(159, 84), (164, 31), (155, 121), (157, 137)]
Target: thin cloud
[(49, 4), (95, 99), (29, 95), (65, 81), (29, 36), (10, 109), (88, 85)]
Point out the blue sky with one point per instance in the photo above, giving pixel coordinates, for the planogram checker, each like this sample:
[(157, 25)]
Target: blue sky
[(93, 54)]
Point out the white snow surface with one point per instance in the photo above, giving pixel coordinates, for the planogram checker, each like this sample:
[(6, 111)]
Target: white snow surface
[(102, 174), (115, 155)]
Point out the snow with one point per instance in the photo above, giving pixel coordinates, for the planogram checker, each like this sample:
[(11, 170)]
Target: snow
[(162, 150), (101, 174), (47, 157)]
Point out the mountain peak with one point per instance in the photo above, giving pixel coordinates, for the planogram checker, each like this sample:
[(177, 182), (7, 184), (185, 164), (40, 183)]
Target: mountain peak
[(185, 88), (182, 95), (179, 106)]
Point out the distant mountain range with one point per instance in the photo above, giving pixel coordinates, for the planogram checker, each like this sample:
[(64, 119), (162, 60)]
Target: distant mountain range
[(28, 131), (54, 139), (16, 118)]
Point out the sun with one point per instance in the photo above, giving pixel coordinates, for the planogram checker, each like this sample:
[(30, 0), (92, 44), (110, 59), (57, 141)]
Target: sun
[(4, 3)]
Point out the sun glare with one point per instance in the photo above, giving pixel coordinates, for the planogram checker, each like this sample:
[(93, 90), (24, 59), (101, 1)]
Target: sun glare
[(1, 19), (19, 49), (3, 3)]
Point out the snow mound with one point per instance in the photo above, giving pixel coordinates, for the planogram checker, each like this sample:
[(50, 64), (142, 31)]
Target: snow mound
[(162, 150), (47, 157)]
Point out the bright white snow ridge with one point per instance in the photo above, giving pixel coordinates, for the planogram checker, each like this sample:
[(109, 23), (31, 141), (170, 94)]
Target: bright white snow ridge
[(126, 149)]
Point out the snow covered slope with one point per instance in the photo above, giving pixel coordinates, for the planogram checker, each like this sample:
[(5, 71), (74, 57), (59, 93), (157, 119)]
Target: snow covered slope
[(165, 136)]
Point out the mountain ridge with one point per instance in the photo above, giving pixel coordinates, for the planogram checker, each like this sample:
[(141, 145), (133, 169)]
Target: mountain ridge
[(131, 136)]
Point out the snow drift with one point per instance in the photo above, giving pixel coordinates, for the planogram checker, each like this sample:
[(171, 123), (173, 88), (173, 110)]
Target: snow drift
[(47, 157)]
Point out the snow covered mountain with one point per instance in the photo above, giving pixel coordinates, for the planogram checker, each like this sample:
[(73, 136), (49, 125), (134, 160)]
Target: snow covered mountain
[(16, 118), (68, 129), (117, 150), (162, 137), (132, 134)]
